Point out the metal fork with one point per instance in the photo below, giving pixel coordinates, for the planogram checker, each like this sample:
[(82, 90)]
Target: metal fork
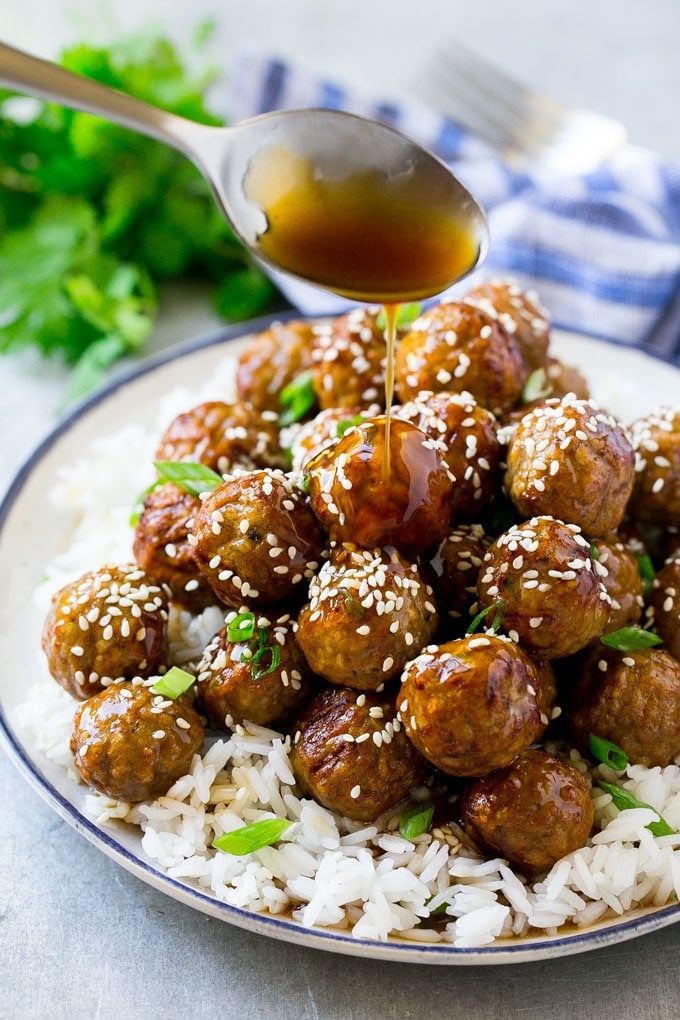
[(527, 127)]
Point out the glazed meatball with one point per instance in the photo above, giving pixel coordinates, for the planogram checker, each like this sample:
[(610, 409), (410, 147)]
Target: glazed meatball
[(271, 360), (261, 676), (223, 436), (532, 812), (457, 347), (548, 587), (471, 705), (656, 493), (563, 380), (470, 446), (351, 754), (521, 315), (256, 540), (161, 546), (455, 567), (630, 698), (132, 744), (361, 497), (369, 611), (663, 611), (110, 624), (568, 460), (622, 580), (326, 429), (349, 358)]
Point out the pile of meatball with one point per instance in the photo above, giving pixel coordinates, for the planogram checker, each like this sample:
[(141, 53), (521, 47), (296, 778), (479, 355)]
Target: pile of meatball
[(425, 616)]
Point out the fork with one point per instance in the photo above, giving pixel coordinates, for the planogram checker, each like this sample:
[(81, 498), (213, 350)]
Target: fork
[(525, 126)]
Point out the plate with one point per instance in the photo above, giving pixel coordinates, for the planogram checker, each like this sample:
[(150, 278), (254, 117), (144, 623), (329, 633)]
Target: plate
[(626, 381)]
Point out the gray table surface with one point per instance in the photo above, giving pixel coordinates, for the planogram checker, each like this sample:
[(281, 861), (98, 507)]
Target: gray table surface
[(79, 936)]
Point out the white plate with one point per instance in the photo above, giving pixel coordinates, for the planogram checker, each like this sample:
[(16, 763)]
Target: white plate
[(626, 381)]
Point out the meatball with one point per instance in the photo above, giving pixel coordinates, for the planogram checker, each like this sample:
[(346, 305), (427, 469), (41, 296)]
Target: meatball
[(369, 611), (457, 347), (455, 567), (521, 315), (349, 359), (532, 812), (360, 496), (326, 429), (656, 493), (271, 360), (261, 676), (132, 744), (548, 587), (256, 540), (223, 436), (569, 460), (161, 546), (563, 380), (108, 625), (630, 698), (470, 446), (351, 754), (621, 579), (663, 611), (471, 705)]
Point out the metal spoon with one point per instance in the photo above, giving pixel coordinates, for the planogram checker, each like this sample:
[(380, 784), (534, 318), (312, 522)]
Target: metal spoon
[(250, 161)]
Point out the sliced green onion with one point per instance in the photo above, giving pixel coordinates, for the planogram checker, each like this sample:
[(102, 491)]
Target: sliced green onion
[(500, 610), (193, 478), (438, 911), (138, 507), (259, 655), (416, 820), (351, 604), (647, 571), (241, 627), (347, 423), (624, 800), (608, 753), (536, 387), (305, 483), (252, 837), (173, 683), (297, 398), (630, 639), (406, 314), (594, 551)]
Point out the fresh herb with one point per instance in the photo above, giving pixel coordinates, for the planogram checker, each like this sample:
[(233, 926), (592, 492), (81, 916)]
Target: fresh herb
[(608, 753), (594, 551), (138, 508), (647, 571), (347, 423), (193, 478), (416, 820), (406, 314), (351, 604), (264, 668), (497, 620), (94, 216), (173, 683), (297, 398), (536, 387), (630, 639), (241, 628), (252, 837), (623, 800)]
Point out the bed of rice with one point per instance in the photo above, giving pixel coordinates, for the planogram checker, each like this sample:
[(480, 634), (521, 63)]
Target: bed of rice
[(328, 871)]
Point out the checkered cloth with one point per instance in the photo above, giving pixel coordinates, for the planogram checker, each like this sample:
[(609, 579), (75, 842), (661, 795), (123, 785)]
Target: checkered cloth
[(602, 249)]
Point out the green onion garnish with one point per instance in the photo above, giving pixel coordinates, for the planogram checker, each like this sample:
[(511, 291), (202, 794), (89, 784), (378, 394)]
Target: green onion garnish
[(594, 551), (536, 387), (347, 423), (241, 627), (193, 478), (623, 800), (500, 609), (297, 398), (138, 507), (608, 753), (252, 837), (173, 683), (630, 639), (406, 314), (264, 670), (416, 820), (647, 572), (351, 604)]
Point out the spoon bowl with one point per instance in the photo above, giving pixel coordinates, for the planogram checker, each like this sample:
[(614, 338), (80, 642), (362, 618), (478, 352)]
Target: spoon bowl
[(328, 197)]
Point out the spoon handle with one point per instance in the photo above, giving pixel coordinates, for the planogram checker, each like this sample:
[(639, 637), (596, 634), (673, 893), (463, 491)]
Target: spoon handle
[(45, 80)]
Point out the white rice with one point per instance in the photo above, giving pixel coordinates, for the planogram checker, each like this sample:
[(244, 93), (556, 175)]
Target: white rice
[(327, 871)]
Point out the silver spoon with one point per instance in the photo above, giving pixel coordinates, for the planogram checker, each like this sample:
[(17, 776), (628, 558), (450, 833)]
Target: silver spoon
[(250, 165)]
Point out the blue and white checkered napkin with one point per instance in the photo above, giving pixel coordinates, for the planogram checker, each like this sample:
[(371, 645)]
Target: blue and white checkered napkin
[(601, 249)]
